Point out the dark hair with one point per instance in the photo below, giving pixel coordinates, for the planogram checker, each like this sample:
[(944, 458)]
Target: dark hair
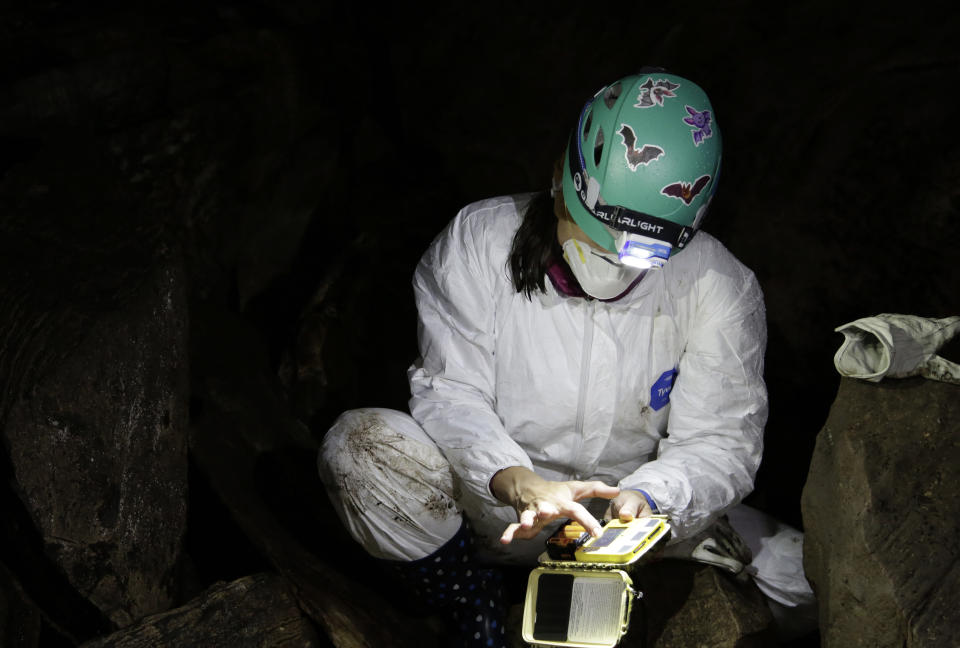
[(535, 245)]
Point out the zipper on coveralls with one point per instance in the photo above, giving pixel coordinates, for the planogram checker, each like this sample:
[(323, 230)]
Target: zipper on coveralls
[(584, 375)]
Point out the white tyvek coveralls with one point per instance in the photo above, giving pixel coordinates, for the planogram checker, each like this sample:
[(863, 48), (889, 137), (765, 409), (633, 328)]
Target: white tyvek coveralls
[(569, 387)]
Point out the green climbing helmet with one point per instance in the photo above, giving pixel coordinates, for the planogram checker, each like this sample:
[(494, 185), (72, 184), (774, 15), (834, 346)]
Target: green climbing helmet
[(641, 166)]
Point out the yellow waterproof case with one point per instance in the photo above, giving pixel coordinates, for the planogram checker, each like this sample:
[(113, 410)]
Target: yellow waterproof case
[(623, 542), (577, 607), (586, 602)]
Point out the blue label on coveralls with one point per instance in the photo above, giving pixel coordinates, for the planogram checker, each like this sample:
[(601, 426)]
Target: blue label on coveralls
[(660, 392)]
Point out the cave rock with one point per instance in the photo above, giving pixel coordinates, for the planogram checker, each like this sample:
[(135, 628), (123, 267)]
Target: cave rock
[(96, 430), (688, 604), (881, 512), (258, 610)]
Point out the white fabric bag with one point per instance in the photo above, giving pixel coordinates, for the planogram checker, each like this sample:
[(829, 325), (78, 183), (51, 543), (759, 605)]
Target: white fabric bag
[(897, 346)]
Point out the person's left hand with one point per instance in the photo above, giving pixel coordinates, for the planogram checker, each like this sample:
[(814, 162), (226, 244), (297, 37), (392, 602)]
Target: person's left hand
[(629, 504)]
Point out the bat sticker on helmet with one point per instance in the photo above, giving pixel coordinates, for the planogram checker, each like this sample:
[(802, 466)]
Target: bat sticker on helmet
[(700, 121), (635, 157), (652, 93), (686, 191)]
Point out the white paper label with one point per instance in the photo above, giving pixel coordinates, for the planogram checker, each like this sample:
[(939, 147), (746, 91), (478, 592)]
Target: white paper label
[(595, 610)]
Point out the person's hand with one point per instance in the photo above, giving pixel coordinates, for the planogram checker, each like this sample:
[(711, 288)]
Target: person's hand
[(539, 501), (629, 504)]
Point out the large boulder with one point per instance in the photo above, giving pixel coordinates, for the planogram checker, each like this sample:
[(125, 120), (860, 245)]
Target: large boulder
[(882, 515), (95, 426)]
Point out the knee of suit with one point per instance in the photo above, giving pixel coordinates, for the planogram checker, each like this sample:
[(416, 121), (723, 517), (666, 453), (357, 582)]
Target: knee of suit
[(389, 483)]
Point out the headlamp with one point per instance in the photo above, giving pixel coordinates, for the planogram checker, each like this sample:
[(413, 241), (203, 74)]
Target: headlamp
[(640, 251)]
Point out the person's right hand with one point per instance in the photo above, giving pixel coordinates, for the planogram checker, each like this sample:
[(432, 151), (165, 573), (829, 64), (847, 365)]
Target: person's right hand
[(629, 504), (539, 501)]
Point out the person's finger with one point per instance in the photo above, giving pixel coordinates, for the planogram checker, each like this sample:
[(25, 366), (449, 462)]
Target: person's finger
[(527, 534), (509, 533), (627, 511), (528, 518), (577, 512), (584, 490), (644, 510), (628, 506), (517, 531), (547, 510)]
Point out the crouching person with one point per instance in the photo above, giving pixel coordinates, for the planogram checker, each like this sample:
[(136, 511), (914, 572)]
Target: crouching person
[(585, 352)]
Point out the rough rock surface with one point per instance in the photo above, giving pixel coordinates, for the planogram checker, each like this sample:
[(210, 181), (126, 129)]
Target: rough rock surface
[(882, 516), (688, 605), (96, 429), (257, 611)]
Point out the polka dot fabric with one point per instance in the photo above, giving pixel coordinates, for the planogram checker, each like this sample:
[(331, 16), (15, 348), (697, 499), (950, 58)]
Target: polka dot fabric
[(449, 580)]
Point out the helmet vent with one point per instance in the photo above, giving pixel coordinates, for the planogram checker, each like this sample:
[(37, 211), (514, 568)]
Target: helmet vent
[(598, 147), (586, 125), (611, 94)]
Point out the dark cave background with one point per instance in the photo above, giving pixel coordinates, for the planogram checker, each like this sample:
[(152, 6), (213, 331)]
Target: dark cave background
[(295, 158)]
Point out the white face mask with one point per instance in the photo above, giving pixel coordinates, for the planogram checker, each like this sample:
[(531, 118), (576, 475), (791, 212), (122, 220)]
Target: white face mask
[(601, 275)]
